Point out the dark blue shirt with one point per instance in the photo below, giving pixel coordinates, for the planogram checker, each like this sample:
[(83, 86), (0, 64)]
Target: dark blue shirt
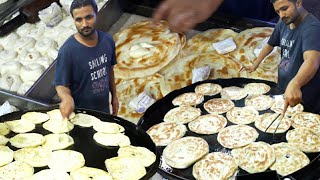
[(293, 43), (85, 70)]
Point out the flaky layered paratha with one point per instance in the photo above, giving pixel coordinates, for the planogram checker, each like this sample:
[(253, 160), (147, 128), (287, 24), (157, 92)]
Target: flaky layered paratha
[(142, 49), (260, 73), (247, 41), (256, 88), (304, 139), (179, 73), (20, 126), (216, 165), (164, 133), (35, 117), (259, 102), (218, 106), (236, 136), (233, 93), (208, 124), (6, 155), (202, 42), (57, 141), (27, 140), (127, 90), (188, 99), (264, 120), (289, 159), (278, 106), (183, 152), (209, 89), (182, 114), (308, 120), (255, 157), (242, 115)]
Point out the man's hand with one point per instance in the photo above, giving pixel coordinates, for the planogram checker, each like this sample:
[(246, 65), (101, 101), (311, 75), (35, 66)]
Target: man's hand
[(183, 15), (66, 107), (248, 68), (293, 94), (115, 105)]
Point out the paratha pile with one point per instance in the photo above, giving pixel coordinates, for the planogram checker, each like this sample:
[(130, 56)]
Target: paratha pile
[(142, 49), (128, 89)]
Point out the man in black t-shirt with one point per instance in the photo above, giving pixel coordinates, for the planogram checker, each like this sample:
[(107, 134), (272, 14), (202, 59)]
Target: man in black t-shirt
[(297, 33)]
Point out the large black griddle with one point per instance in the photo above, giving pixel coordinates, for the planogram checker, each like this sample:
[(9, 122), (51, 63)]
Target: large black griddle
[(95, 154), (156, 112)]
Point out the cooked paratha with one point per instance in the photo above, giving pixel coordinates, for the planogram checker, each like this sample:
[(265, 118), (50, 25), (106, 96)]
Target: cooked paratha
[(144, 155), (308, 120), (84, 120), (218, 106), (247, 41), (34, 156), (255, 157), (85, 173), (266, 119), (188, 99), (6, 155), (216, 165), (35, 117), (108, 127), (183, 152), (3, 140), (57, 141), (142, 49), (208, 124), (209, 89), (233, 93), (27, 140), (125, 168), (256, 88), (4, 130), (164, 133), (289, 159), (50, 173), (66, 160), (236, 136), (279, 105), (242, 115), (182, 114), (202, 42), (259, 102), (304, 139), (20, 126), (179, 73), (127, 90), (262, 74), (118, 139), (16, 170)]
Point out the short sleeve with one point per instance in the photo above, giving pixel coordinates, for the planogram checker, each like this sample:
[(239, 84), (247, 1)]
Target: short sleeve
[(63, 69), (310, 38), (274, 39)]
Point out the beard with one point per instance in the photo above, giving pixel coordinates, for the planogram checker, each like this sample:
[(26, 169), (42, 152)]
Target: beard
[(288, 21), (85, 32)]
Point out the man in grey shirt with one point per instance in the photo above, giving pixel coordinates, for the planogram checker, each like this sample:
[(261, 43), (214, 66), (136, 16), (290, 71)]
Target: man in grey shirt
[(297, 34)]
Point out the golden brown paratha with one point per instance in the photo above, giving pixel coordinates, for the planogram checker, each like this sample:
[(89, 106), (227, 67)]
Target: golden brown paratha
[(179, 73), (127, 90), (142, 49), (202, 42)]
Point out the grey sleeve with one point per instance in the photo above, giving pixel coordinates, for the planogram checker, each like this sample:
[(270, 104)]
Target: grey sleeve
[(310, 38), (275, 36)]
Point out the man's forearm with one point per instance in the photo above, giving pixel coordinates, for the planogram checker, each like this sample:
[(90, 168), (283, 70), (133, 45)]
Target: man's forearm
[(112, 82), (265, 51), (308, 68), (63, 92)]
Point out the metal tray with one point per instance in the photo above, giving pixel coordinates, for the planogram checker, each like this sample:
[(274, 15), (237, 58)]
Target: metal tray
[(156, 112), (95, 154), (10, 7)]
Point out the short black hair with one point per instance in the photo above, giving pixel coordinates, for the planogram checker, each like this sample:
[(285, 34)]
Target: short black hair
[(76, 4), (273, 1)]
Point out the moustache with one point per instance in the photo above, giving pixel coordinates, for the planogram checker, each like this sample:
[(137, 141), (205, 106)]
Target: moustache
[(86, 28)]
